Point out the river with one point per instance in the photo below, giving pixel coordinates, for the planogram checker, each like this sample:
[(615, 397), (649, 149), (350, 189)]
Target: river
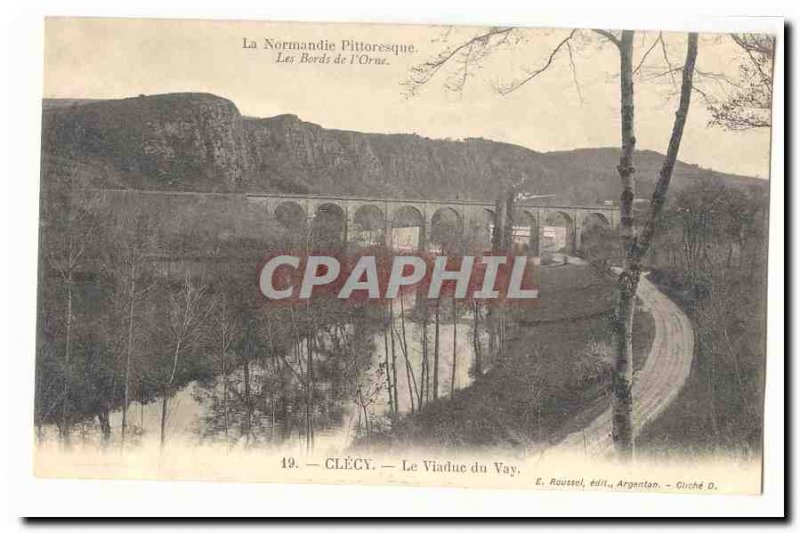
[(186, 413)]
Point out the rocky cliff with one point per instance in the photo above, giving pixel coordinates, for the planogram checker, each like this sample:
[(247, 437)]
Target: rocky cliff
[(200, 142), (172, 141)]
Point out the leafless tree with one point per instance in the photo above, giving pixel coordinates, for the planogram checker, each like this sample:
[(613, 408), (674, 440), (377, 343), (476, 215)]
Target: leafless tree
[(468, 54), (476, 340), (366, 395), (425, 370), (188, 308), (393, 345), (436, 349), (70, 224), (749, 104), (455, 353), (387, 365), (411, 379), (130, 238), (226, 324)]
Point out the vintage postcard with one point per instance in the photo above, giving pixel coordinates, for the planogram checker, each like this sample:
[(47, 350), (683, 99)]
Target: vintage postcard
[(466, 256)]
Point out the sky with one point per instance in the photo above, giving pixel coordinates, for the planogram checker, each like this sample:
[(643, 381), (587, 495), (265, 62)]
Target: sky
[(561, 109)]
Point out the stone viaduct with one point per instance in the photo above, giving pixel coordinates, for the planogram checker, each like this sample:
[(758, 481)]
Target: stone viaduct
[(467, 218), (367, 220)]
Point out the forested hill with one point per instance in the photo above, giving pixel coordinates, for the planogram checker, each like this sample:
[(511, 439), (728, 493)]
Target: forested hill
[(200, 142)]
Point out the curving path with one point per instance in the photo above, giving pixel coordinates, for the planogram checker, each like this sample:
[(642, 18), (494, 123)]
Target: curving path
[(658, 383)]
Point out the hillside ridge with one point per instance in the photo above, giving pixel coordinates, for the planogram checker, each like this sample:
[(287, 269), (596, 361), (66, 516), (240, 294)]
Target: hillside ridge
[(201, 142)]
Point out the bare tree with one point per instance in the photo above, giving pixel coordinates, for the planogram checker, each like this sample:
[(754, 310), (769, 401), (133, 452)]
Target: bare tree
[(635, 245), (749, 104), (425, 372), (411, 379), (476, 340), (395, 395), (226, 325), (130, 239), (366, 395), (188, 307), (70, 224), (455, 353), (436, 349), (387, 364)]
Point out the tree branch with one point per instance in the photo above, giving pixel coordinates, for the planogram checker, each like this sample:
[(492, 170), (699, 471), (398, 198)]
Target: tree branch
[(662, 185), (666, 60), (610, 36), (647, 53), (422, 74), (516, 85), (574, 73)]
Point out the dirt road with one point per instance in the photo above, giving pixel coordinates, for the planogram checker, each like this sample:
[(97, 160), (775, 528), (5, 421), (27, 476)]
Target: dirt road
[(657, 384)]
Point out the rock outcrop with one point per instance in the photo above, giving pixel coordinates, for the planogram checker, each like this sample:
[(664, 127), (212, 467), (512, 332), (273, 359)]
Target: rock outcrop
[(200, 142)]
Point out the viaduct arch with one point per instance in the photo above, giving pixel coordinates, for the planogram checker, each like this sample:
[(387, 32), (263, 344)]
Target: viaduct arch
[(432, 224), (415, 224)]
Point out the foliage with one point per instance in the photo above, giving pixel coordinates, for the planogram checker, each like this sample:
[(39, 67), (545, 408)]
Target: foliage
[(717, 271)]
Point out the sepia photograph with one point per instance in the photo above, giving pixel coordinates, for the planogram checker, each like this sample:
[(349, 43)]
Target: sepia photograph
[(475, 256)]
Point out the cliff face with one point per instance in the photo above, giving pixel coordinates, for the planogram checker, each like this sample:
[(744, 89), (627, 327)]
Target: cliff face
[(287, 154), (175, 141), (200, 142)]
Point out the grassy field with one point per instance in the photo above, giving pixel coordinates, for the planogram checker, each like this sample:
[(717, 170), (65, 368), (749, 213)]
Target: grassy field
[(554, 378), (569, 292)]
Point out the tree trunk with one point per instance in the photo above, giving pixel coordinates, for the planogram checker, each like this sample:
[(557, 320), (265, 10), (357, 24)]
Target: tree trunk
[(363, 405), (622, 378), (248, 422), (394, 355), (128, 352), (410, 378), (502, 241), (476, 342), (164, 401), (309, 384), (388, 371), (224, 348), (622, 326), (425, 364), (103, 418), (287, 421), (455, 355), (168, 393), (65, 422), (635, 248), (436, 352)]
